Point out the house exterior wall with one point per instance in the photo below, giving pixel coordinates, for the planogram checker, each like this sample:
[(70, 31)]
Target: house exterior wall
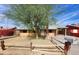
[(70, 30), (7, 32), (61, 31)]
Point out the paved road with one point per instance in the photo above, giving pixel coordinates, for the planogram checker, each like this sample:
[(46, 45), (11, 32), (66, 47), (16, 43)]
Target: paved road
[(74, 50)]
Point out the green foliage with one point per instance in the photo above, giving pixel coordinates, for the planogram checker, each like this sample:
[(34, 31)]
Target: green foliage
[(35, 17)]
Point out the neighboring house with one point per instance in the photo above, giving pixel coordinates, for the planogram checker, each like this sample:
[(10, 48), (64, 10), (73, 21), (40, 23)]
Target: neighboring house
[(7, 32), (73, 30)]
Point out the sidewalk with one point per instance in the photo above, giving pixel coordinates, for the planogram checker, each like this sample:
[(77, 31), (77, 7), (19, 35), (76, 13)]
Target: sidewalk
[(74, 50), (74, 47)]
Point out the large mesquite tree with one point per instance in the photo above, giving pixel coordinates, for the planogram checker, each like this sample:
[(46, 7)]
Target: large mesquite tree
[(34, 17)]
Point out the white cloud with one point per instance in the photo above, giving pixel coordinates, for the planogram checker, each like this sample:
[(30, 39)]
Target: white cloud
[(2, 16), (67, 16)]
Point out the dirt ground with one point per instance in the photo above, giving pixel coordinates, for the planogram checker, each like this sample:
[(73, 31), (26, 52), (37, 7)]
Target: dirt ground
[(20, 46)]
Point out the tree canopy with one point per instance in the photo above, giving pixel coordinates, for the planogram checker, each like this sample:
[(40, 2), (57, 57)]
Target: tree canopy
[(35, 17)]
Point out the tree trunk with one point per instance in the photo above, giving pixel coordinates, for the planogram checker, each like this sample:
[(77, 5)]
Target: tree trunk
[(47, 31), (37, 28), (37, 33)]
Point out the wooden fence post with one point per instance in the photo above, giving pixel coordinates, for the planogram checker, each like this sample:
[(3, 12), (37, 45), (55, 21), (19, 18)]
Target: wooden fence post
[(31, 45), (2, 45), (67, 47)]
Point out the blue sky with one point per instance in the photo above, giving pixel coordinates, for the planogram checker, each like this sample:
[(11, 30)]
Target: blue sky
[(64, 14), (68, 14)]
